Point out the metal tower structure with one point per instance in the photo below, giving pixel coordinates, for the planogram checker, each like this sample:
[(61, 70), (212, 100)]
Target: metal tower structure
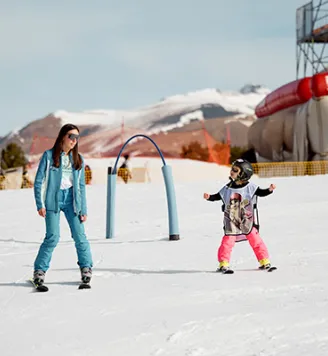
[(312, 38)]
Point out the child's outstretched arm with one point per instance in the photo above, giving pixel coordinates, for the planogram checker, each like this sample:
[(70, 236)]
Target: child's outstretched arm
[(265, 192), (213, 197)]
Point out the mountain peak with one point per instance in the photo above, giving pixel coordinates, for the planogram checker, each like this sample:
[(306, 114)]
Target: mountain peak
[(254, 88)]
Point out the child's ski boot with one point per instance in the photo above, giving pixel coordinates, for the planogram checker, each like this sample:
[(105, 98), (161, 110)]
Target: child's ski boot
[(225, 270), (268, 267)]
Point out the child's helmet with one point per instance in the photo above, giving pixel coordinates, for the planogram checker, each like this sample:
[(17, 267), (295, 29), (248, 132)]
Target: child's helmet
[(246, 169)]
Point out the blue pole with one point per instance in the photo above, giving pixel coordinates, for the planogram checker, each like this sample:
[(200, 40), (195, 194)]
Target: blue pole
[(171, 203), (110, 214)]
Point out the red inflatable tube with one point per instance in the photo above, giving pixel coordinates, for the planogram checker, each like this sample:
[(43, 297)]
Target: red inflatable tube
[(290, 94)]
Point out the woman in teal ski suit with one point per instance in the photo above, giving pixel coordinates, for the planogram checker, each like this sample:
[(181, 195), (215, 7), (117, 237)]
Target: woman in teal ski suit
[(60, 186)]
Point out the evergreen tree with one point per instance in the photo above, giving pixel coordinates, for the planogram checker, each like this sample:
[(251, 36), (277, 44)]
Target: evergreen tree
[(12, 156), (237, 152), (194, 151)]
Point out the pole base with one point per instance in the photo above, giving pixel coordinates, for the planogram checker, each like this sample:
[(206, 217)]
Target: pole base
[(174, 237)]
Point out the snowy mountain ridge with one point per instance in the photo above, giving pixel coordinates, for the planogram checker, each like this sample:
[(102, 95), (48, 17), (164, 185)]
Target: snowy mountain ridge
[(242, 102)]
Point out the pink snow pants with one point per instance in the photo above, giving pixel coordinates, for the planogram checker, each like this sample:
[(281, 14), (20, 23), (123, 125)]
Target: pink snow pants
[(254, 239)]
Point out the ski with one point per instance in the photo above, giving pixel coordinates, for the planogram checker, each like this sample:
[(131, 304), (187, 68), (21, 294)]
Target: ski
[(84, 285), (39, 287), (270, 269), (227, 271)]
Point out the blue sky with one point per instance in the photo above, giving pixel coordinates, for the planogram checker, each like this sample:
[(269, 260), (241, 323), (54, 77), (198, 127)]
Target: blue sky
[(106, 54)]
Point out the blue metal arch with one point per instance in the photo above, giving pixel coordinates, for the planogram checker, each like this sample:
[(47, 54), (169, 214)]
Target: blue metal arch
[(131, 138), (170, 194)]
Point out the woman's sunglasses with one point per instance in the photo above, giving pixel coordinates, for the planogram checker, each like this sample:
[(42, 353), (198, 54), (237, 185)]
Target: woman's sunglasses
[(235, 169), (73, 137)]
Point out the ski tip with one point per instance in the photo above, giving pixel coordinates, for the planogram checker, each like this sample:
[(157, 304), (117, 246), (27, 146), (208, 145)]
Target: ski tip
[(228, 271), (42, 288), (84, 286), (39, 288), (273, 268)]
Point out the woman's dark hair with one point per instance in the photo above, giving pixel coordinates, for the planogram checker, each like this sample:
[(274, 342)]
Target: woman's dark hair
[(58, 147)]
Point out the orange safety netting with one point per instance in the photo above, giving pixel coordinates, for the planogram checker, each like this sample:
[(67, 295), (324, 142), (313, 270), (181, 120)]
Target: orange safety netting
[(218, 152)]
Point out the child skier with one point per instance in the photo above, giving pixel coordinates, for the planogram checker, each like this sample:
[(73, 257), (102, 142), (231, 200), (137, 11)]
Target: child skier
[(239, 199)]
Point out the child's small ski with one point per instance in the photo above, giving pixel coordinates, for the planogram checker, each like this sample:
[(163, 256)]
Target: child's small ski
[(39, 287), (228, 271), (268, 269), (225, 271), (84, 285)]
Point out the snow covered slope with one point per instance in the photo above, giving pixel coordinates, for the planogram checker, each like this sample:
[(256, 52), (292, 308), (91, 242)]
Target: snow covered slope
[(154, 297)]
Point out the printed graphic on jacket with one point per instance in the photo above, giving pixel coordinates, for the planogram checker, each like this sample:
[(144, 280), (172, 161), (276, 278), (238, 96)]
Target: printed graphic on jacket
[(238, 215)]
